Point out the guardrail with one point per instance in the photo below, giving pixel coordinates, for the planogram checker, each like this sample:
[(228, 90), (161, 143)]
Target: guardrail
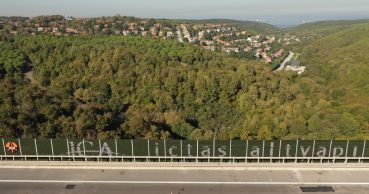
[(235, 151), (188, 159)]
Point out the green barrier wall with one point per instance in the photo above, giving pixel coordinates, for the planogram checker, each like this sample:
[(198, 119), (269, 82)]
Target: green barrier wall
[(185, 148)]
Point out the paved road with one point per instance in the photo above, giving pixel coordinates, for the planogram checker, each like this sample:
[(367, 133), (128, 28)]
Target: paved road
[(286, 60), (25, 188), (179, 181)]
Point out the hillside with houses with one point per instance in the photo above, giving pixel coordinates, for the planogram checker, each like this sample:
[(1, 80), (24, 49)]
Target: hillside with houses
[(230, 37), (123, 77)]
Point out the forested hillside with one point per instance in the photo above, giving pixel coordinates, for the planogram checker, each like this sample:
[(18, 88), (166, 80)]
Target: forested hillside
[(339, 63), (322, 28), (132, 87)]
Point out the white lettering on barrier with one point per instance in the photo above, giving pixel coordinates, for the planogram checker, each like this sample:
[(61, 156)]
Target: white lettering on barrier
[(156, 149), (171, 150), (336, 153), (322, 151), (304, 150), (189, 148), (106, 149), (71, 147), (205, 151), (271, 149), (288, 149), (354, 152), (222, 151), (255, 151), (77, 150)]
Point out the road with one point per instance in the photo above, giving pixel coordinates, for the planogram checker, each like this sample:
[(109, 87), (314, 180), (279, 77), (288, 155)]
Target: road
[(285, 61), (195, 181)]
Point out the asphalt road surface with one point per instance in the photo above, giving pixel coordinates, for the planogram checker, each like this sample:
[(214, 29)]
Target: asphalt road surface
[(285, 61), (184, 181)]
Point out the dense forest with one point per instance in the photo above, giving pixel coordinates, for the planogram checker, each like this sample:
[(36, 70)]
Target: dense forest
[(339, 63), (134, 87), (323, 28)]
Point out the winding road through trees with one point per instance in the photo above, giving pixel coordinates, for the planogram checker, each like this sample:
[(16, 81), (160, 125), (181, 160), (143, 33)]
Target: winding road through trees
[(286, 60)]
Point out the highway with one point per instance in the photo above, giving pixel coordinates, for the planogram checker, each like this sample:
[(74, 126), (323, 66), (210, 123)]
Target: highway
[(181, 181)]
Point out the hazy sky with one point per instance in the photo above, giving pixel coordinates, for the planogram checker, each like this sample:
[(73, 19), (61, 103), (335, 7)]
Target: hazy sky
[(280, 12)]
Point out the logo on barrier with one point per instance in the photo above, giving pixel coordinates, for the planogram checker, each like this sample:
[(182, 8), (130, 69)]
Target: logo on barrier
[(88, 147), (11, 147)]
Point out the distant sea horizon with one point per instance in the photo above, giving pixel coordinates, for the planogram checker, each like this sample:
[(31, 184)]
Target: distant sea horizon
[(280, 22)]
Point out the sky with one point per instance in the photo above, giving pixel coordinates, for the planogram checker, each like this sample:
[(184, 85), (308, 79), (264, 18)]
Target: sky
[(277, 12)]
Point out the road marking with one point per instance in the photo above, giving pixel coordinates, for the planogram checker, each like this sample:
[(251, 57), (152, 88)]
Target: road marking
[(185, 182)]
